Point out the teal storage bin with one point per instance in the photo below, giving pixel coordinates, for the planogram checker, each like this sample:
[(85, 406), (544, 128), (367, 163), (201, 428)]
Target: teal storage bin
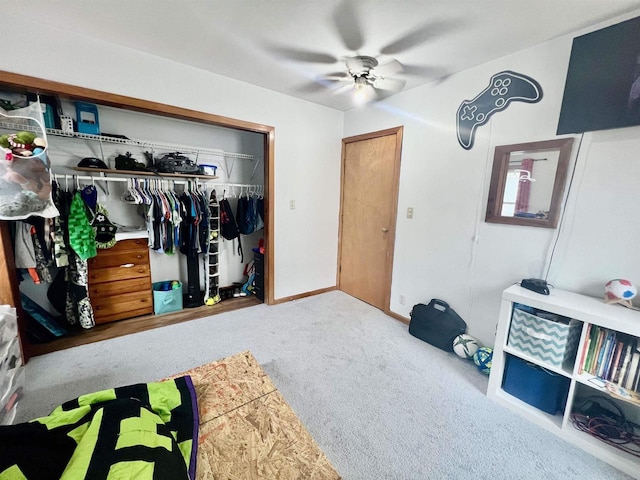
[(87, 118), (165, 298)]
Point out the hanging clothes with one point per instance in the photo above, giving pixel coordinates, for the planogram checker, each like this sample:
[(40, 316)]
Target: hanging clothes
[(78, 309), (82, 237), (105, 231), (245, 216), (77, 305), (60, 238), (24, 250)]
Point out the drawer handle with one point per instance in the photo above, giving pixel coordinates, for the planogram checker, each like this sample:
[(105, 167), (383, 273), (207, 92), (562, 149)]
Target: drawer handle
[(128, 265), (531, 332)]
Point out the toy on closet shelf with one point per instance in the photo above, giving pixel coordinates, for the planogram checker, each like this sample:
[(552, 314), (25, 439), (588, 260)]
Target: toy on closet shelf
[(620, 291), (23, 144), (26, 164)]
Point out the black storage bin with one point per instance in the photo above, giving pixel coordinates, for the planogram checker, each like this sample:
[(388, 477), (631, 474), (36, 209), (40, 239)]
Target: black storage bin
[(534, 385)]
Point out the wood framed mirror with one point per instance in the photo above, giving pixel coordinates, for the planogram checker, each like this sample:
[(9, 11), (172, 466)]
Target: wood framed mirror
[(527, 182)]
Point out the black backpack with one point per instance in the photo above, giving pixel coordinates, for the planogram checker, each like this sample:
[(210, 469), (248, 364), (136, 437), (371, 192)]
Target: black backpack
[(246, 215), (228, 225)]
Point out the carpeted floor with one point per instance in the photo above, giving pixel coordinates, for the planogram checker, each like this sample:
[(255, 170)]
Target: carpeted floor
[(380, 403)]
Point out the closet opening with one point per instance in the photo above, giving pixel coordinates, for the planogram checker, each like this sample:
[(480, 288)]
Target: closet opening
[(156, 269)]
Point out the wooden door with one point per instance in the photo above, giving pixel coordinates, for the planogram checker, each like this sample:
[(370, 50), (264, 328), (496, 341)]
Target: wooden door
[(370, 172)]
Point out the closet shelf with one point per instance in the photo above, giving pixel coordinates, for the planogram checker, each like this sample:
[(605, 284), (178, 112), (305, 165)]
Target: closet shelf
[(13, 125), (141, 173)]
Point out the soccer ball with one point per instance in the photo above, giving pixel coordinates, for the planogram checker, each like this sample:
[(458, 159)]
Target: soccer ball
[(465, 346), (482, 359), (619, 291)]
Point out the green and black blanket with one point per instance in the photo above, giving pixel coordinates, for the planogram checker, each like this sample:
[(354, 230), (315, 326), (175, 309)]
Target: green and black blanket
[(145, 432)]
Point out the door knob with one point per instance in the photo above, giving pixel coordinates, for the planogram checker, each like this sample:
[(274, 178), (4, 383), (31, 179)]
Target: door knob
[(385, 229)]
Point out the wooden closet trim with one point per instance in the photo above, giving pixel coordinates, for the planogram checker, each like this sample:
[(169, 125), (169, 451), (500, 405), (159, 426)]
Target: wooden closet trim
[(73, 92)]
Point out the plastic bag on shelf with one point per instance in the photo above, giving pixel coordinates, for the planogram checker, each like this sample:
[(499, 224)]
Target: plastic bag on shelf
[(25, 169)]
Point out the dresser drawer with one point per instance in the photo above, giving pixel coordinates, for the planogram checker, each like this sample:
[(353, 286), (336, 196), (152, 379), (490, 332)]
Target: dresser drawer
[(109, 289), (131, 244), (127, 305), (123, 272), (116, 259)]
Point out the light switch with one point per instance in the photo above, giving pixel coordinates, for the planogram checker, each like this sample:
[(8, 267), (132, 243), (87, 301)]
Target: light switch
[(410, 212), (292, 204)]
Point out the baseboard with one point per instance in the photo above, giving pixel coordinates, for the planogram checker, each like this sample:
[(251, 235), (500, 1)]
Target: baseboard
[(398, 317), (303, 295)]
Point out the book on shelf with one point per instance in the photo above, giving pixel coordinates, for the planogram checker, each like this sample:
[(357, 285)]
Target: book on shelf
[(611, 356), (615, 363), (605, 354), (595, 354), (585, 348), (625, 363), (633, 370), (637, 379), (595, 336)]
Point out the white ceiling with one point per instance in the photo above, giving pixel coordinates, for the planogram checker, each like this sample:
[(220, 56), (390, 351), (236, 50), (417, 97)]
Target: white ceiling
[(285, 45)]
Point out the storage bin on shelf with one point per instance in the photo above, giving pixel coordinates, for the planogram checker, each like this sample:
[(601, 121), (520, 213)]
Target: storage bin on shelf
[(552, 340), (534, 385), (167, 296)]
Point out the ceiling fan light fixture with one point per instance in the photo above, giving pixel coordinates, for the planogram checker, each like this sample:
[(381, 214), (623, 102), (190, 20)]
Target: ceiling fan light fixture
[(360, 82)]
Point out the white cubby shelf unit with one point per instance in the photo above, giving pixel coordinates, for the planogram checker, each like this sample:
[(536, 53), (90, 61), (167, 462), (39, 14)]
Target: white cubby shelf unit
[(588, 310)]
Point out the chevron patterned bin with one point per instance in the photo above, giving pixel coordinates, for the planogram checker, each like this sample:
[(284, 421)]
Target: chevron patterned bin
[(546, 340)]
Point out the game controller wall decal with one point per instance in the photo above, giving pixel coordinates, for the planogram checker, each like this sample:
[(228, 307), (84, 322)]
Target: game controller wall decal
[(504, 88)]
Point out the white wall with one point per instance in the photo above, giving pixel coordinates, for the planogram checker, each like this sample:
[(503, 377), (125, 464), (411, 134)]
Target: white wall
[(447, 251), (307, 136)]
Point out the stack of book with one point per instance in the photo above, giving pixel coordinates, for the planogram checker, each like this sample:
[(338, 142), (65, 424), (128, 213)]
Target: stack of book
[(612, 356)]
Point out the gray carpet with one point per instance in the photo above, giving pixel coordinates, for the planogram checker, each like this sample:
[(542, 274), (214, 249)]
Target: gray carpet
[(379, 402)]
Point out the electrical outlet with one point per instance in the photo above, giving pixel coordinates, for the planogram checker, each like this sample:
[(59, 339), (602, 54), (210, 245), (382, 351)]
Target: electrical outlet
[(292, 204), (403, 299), (410, 212)]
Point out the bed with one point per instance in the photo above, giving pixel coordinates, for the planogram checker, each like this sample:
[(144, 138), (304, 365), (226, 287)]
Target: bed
[(221, 420)]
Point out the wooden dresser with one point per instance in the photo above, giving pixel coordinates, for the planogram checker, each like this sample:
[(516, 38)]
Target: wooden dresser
[(120, 281)]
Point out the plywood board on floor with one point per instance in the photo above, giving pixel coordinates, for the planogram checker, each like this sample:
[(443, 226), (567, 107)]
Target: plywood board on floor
[(247, 429), (227, 384), (262, 439)]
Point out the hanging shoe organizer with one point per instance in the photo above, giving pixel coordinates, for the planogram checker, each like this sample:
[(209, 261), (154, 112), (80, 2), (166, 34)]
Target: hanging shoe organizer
[(212, 294)]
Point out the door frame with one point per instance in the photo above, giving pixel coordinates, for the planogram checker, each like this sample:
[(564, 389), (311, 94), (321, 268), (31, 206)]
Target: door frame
[(398, 132)]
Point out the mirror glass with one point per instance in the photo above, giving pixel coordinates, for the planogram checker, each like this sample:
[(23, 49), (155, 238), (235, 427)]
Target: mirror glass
[(527, 182)]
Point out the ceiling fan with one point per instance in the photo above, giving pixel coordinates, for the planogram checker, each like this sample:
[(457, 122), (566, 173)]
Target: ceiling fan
[(367, 76)]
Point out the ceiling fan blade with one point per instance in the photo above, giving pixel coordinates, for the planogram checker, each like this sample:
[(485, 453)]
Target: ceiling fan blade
[(416, 37), (388, 69), (389, 84), (347, 23), (424, 70), (312, 87), (302, 55), (336, 76)]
